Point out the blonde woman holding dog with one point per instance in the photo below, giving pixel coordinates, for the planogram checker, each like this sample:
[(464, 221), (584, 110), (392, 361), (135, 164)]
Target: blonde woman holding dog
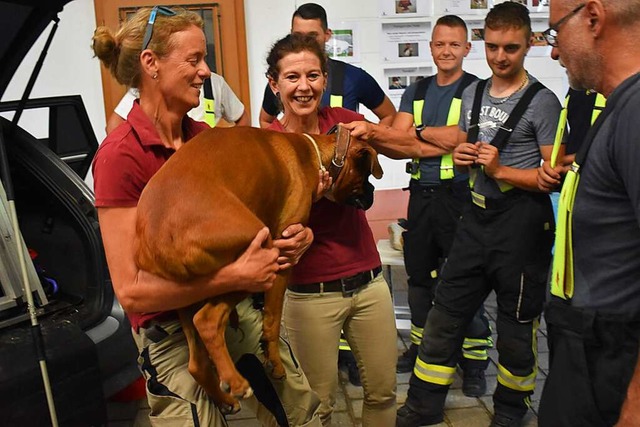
[(160, 52)]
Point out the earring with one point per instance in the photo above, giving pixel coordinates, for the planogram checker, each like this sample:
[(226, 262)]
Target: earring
[(277, 95), (155, 76)]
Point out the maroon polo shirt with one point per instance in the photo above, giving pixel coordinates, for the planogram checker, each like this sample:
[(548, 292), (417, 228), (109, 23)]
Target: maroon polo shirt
[(124, 163), (343, 243)]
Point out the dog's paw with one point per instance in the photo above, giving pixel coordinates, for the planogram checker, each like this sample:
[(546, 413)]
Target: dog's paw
[(248, 393), (230, 409)]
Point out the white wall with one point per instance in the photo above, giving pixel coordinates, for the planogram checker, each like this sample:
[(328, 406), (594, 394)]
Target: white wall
[(71, 69)]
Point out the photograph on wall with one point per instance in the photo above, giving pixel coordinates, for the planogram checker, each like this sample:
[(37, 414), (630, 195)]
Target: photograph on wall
[(522, 2), (343, 43), (539, 46), (467, 7), (399, 78), (406, 8), (478, 4), (413, 79), (397, 82), (407, 50), (406, 41), (539, 6), (476, 29)]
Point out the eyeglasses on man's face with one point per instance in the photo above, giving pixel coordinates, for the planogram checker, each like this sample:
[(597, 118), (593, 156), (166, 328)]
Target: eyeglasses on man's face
[(551, 33), (152, 19)]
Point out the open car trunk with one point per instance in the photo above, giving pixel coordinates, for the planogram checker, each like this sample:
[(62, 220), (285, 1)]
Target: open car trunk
[(87, 341)]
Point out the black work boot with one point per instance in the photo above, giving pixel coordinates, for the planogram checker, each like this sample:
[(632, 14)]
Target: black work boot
[(474, 383), (347, 362), (407, 417), (407, 361), (504, 420)]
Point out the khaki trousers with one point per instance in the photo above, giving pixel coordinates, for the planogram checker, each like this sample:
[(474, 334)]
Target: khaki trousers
[(313, 323), (176, 399)]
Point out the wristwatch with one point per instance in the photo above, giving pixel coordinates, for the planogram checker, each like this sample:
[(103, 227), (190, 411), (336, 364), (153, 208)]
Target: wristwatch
[(419, 130)]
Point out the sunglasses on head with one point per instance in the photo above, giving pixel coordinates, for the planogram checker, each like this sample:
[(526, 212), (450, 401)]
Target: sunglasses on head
[(152, 19)]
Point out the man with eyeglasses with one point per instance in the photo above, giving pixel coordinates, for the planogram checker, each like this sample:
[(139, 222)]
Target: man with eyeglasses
[(593, 315)]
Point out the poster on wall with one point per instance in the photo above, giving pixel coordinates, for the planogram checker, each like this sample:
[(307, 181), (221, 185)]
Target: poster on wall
[(343, 44), (399, 78), (406, 41), (476, 29), (406, 8)]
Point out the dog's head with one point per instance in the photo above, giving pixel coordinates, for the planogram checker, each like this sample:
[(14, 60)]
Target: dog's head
[(352, 185)]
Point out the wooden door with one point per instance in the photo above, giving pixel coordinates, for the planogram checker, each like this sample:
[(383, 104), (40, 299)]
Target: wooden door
[(226, 41)]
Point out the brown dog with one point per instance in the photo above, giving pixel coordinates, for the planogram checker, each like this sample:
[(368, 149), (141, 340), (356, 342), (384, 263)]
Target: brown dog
[(206, 204)]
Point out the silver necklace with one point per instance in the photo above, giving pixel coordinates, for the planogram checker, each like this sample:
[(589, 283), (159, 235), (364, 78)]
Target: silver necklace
[(498, 101)]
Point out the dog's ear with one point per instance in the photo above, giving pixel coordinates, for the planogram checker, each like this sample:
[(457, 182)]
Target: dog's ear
[(370, 157)]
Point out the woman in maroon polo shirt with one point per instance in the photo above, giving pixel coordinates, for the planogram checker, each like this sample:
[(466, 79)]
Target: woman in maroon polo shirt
[(317, 307), (161, 52)]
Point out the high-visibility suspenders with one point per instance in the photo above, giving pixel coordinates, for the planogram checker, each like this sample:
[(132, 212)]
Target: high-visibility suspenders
[(502, 136), (337, 83), (562, 274), (599, 103), (446, 161), (209, 104)]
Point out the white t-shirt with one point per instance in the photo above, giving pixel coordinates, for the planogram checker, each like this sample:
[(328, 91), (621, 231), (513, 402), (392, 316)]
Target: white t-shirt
[(227, 105)]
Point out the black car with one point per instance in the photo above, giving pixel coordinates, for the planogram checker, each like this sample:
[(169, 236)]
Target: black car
[(90, 354)]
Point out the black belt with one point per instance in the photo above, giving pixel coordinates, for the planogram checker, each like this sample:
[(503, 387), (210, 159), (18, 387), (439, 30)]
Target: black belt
[(415, 186), (347, 285)]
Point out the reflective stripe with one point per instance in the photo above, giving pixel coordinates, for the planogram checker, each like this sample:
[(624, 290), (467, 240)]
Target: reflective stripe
[(209, 112), (599, 105), (478, 199), (416, 334), (562, 280), (527, 383), (476, 348), (562, 125), (335, 101), (434, 274), (344, 345), (516, 382), (435, 374)]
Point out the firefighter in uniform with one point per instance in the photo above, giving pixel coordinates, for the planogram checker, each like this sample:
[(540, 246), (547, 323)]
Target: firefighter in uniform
[(503, 240), (438, 192)]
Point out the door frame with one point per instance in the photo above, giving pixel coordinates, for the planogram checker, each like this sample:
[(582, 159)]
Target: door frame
[(234, 50)]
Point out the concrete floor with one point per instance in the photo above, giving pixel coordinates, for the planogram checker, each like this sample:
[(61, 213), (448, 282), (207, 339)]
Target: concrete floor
[(460, 411)]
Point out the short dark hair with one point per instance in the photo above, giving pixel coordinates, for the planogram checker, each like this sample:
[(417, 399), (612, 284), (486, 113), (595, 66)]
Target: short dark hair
[(508, 15), (293, 43), (452, 21), (312, 11)]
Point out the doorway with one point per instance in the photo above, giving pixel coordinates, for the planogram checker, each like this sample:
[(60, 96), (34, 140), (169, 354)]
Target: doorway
[(225, 31)]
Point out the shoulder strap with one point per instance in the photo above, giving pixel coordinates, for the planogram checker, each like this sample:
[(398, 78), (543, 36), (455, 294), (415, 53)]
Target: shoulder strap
[(474, 130), (208, 89), (336, 74), (502, 137), (467, 79), (422, 86)]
